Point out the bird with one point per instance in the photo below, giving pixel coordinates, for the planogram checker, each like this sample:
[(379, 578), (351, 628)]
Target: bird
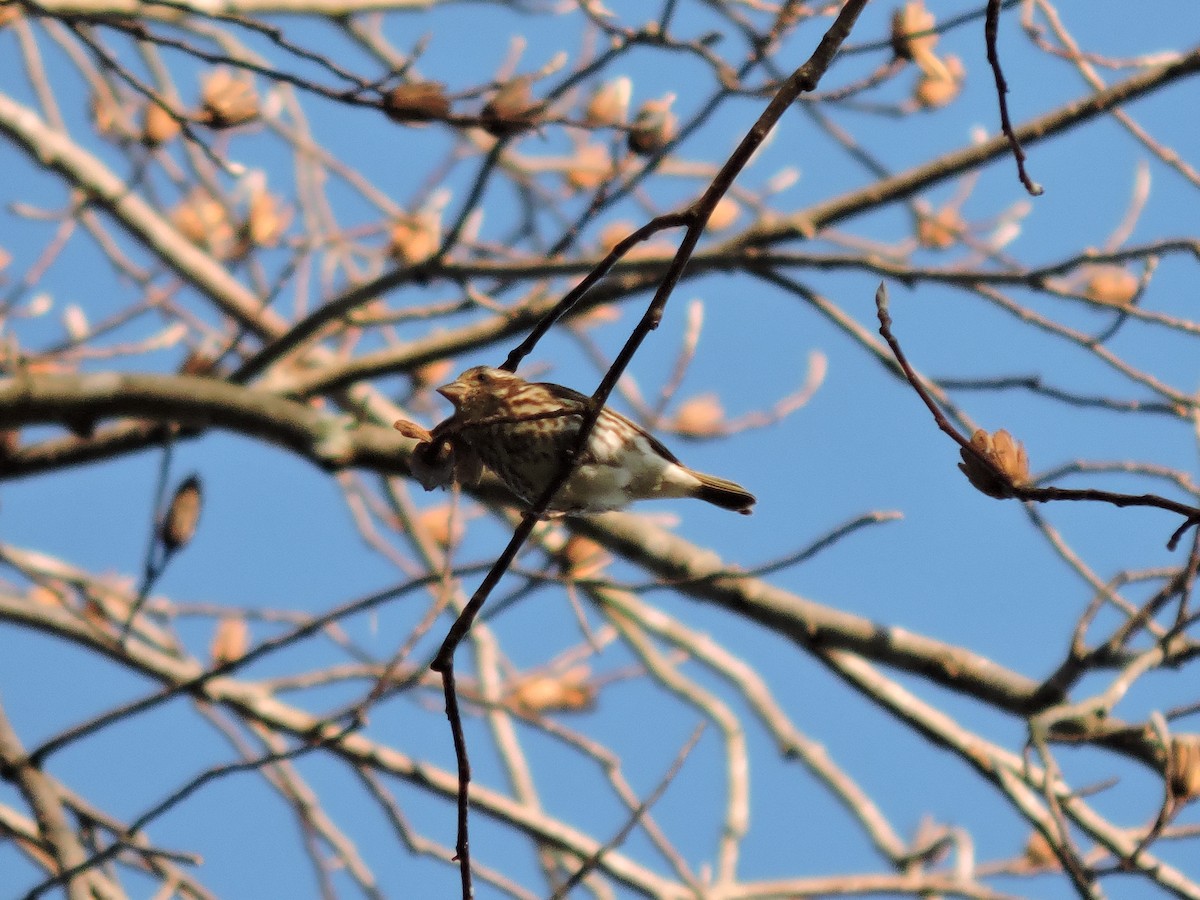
[(526, 431)]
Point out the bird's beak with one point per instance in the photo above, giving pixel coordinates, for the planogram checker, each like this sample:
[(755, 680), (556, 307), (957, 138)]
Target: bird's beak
[(453, 391)]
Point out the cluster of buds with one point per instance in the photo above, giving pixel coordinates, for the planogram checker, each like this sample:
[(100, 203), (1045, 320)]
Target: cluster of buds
[(209, 223), (1009, 467)]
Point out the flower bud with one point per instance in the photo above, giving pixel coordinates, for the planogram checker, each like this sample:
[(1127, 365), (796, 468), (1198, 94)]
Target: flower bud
[(1038, 853), (654, 127), (511, 109), (442, 524), (266, 220), (1003, 452), (908, 24), (609, 104), (417, 102), (1110, 285), (158, 126), (548, 692), (724, 214), (228, 99), (1183, 768), (582, 557), (699, 417), (941, 230), (590, 168), (183, 515), (204, 221), (938, 87), (414, 237), (231, 638)]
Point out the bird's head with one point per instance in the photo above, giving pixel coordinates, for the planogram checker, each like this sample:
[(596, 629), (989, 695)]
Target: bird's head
[(479, 391)]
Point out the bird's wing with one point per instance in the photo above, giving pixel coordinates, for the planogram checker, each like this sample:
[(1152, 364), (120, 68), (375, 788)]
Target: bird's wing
[(581, 403)]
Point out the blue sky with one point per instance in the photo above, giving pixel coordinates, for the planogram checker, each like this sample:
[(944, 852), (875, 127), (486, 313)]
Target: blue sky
[(963, 568)]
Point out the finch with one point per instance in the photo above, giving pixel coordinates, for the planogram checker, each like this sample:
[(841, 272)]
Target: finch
[(525, 432)]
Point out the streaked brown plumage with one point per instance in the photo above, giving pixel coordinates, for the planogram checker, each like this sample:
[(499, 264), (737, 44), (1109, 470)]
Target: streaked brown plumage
[(524, 431)]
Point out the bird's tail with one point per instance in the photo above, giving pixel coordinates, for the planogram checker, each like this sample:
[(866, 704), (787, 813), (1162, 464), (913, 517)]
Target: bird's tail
[(722, 493)]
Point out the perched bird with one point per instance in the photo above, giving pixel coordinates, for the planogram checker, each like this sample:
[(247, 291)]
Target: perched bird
[(525, 431)]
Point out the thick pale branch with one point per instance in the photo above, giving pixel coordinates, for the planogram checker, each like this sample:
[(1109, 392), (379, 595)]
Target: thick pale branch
[(331, 441)]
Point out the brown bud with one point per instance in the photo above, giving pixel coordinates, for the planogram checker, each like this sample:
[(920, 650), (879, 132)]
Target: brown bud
[(699, 416), (545, 692), (158, 126), (432, 373), (940, 230), (1038, 853), (108, 117), (1003, 452), (75, 322), (908, 23), (940, 86), (604, 314), (442, 524), (9, 13), (1183, 768), (613, 233), (183, 515), (10, 442), (230, 640), (417, 101), (1110, 285), (412, 430), (724, 214), (589, 168), (228, 99), (609, 104), (266, 220), (414, 238), (654, 126), (583, 557), (511, 109), (197, 363)]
